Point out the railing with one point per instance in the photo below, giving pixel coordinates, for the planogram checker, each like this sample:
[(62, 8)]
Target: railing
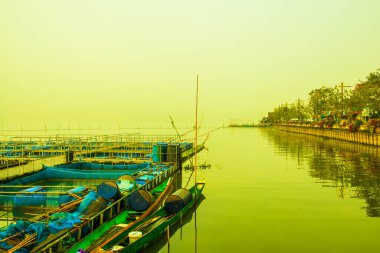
[(357, 137)]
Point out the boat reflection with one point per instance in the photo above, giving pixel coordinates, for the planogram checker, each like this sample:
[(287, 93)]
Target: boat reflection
[(162, 241), (353, 169)]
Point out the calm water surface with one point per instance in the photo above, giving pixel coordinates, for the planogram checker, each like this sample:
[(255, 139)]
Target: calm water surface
[(272, 191)]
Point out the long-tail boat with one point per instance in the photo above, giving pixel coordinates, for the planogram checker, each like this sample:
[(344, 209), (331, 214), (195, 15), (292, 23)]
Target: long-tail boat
[(117, 225), (150, 228)]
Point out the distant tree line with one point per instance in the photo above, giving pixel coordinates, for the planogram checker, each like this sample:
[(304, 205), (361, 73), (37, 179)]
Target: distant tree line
[(339, 101)]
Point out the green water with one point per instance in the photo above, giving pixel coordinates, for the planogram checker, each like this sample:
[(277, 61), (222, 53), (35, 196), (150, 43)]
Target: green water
[(270, 191)]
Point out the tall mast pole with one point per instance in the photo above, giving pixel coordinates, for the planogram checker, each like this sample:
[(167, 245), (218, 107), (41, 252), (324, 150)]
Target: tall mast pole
[(195, 167), (196, 133)]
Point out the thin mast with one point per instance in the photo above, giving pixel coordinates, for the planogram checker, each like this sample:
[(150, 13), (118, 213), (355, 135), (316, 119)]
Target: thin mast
[(195, 168), (196, 133)]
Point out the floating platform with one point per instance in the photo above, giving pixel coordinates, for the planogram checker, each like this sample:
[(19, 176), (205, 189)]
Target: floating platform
[(32, 152), (41, 194)]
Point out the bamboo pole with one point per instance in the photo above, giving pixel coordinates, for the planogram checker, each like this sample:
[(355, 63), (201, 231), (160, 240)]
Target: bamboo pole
[(45, 186), (29, 207), (9, 237), (29, 239), (33, 193), (63, 208)]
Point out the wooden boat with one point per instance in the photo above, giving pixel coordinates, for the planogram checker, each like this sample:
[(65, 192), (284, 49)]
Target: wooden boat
[(152, 227), (112, 228)]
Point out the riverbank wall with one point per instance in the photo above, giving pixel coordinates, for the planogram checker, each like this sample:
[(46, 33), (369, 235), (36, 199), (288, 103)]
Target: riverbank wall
[(356, 137)]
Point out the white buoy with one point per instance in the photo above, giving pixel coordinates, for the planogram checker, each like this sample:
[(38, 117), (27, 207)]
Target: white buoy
[(117, 248), (134, 236), (126, 183)]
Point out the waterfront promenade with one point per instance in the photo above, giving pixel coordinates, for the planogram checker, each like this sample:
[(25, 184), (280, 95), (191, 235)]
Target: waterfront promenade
[(357, 137)]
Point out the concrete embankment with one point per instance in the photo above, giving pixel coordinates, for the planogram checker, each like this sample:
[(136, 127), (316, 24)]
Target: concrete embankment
[(357, 137)]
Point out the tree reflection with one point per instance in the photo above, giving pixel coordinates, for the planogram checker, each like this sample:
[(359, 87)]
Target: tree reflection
[(353, 169)]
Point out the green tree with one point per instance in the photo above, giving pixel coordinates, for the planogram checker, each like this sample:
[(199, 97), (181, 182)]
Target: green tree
[(302, 110), (324, 100), (367, 93)]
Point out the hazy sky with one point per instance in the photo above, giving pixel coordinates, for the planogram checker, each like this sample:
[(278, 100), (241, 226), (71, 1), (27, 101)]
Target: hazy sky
[(129, 63)]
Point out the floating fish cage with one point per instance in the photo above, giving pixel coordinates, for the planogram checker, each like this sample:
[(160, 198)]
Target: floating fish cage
[(29, 154), (34, 200), (56, 185), (77, 183), (97, 147)]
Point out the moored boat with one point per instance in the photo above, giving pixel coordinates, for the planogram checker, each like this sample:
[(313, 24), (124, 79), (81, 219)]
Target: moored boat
[(143, 233), (117, 225)]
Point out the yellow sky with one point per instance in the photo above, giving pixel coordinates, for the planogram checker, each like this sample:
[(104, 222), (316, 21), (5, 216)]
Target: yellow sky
[(135, 62)]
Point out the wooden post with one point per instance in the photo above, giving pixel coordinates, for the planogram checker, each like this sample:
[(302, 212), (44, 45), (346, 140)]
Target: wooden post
[(168, 237), (79, 234), (101, 218), (110, 213)]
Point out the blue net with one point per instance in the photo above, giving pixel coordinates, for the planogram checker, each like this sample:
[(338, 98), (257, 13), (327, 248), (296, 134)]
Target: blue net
[(19, 230), (30, 199), (92, 203), (40, 229), (97, 166), (68, 172), (59, 221), (64, 173), (62, 199)]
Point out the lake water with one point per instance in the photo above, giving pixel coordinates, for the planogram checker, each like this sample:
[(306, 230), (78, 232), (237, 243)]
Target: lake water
[(272, 191)]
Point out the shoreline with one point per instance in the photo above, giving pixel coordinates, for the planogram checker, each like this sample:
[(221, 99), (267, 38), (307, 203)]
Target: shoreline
[(366, 138)]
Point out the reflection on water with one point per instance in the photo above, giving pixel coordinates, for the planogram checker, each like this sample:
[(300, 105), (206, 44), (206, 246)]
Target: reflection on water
[(162, 241), (353, 169), (202, 166)]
